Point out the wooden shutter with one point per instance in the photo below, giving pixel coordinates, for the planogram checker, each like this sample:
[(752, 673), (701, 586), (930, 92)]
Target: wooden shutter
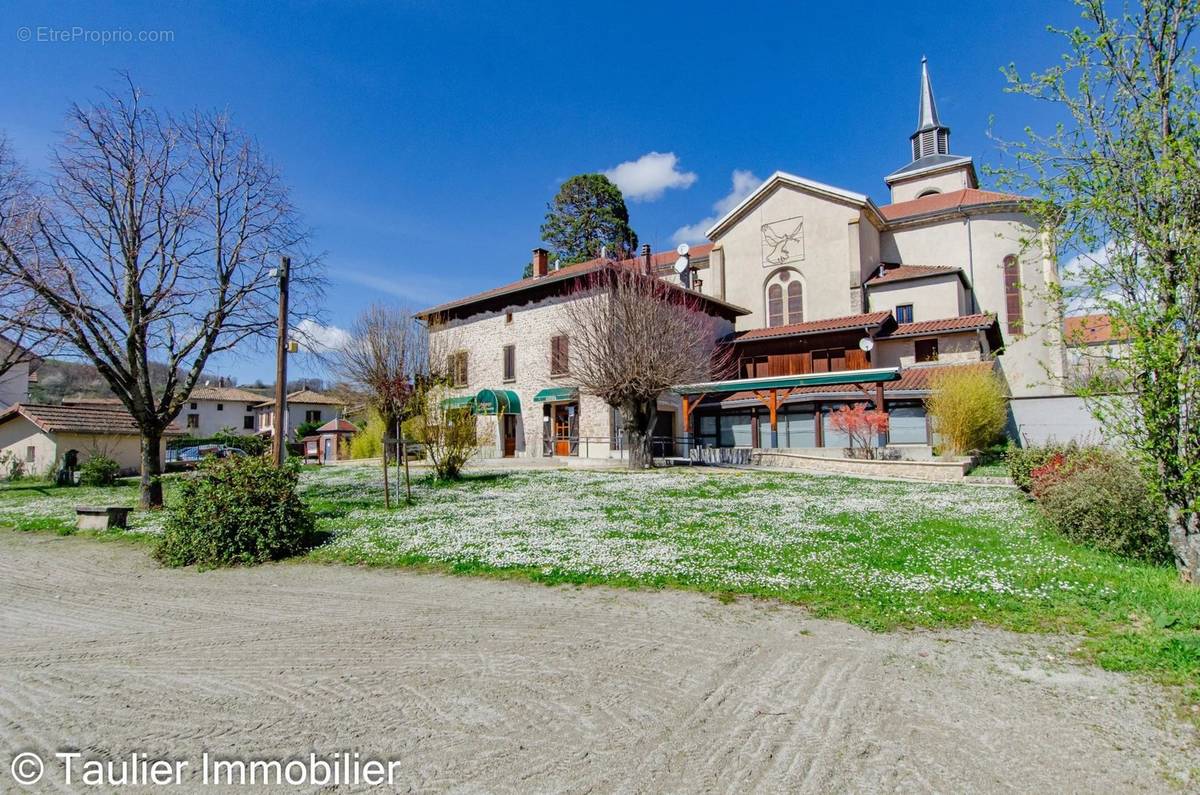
[(510, 362), (1012, 293), (559, 354), (856, 359)]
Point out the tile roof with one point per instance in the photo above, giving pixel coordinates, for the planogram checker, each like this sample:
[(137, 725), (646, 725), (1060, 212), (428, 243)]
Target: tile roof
[(1090, 330), (89, 419), (918, 378), (900, 273), (963, 323), (226, 393), (305, 396), (941, 202), (91, 401), (816, 326), (659, 263), (338, 426)]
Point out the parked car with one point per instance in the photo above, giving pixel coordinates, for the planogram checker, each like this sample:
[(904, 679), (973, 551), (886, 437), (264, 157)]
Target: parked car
[(189, 457)]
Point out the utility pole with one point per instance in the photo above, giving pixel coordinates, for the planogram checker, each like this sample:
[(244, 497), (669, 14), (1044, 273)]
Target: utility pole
[(279, 446)]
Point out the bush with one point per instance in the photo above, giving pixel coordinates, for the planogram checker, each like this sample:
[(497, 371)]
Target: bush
[(1022, 461), (968, 407), (368, 443), (12, 468), (1100, 498), (99, 470), (236, 511)]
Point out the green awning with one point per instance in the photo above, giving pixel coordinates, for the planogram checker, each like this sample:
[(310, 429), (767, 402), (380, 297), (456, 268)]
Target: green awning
[(464, 402), (556, 394), (878, 375), (497, 401)]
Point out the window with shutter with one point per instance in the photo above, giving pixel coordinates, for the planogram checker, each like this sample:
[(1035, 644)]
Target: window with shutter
[(456, 368), (510, 362), (775, 305), (559, 355), (1012, 294)]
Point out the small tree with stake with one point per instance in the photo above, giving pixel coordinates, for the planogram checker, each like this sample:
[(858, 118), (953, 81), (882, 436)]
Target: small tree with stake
[(632, 338), (862, 426), (385, 355)]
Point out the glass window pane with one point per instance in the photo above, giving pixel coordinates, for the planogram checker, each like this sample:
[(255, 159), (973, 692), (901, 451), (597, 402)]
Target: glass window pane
[(795, 303), (833, 438), (735, 430), (774, 305), (906, 425), (801, 430)]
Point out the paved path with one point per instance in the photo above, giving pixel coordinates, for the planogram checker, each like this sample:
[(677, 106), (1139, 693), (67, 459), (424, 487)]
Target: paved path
[(482, 685)]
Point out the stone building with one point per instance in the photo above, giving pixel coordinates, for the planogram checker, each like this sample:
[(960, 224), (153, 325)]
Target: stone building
[(832, 299)]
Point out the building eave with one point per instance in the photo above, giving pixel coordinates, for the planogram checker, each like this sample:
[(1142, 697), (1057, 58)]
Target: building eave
[(784, 178)]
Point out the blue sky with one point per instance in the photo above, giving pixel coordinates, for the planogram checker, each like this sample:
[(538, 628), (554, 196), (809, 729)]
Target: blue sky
[(423, 140)]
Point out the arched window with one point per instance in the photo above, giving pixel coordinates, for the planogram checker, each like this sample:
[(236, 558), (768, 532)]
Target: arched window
[(930, 192), (795, 303), (775, 305)]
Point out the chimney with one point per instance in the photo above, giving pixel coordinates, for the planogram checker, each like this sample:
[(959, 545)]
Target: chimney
[(541, 262), (646, 258)]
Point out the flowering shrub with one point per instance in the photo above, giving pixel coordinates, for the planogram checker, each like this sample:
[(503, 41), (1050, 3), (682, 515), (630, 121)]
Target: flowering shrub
[(862, 426), (1022, 461), (236, 511)]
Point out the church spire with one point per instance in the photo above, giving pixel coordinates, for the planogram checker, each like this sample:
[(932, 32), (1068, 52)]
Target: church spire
[(931, 137)]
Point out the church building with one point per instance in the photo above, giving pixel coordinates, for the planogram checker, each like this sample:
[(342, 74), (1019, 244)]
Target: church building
[(829, 299)]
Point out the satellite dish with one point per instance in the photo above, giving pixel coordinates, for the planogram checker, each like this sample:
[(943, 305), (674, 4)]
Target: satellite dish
[(682, 250), (682, 264), (866, 344)]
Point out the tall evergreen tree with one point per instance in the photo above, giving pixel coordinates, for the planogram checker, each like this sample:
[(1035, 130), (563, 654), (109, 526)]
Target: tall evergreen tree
[(588, 213)]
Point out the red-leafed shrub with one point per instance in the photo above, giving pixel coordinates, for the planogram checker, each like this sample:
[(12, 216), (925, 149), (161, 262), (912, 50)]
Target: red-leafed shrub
[(862, 426)]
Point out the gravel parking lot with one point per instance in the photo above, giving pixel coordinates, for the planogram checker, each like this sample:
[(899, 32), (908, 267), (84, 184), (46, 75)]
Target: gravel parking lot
[(474, 684)]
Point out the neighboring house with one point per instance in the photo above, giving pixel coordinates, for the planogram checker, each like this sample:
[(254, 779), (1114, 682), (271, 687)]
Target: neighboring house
[(209, 410), (39, 435), (330, 442), (302, 406), (14, 382), (845, 301), (1093, 343)]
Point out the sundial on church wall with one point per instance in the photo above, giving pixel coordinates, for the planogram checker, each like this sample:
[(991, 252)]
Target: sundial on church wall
[(783, 241)]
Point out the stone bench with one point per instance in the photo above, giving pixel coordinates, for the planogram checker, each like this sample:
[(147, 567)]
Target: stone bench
[(99, 517)]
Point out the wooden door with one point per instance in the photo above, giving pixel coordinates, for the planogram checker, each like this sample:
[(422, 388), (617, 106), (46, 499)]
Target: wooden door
[(510, 434), (562, 431)]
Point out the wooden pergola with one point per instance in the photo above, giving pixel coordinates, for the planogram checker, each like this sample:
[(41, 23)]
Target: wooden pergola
[(772, 391)]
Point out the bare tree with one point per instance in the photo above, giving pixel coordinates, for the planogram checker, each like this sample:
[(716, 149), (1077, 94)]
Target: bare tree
[(632, 338), (21, 313), (384, 356), (154, 242)]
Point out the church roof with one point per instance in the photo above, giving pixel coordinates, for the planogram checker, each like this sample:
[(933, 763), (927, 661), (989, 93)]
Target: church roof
[(784, 178), (946, 202), (900, 273), (867, 320), (929, 163)]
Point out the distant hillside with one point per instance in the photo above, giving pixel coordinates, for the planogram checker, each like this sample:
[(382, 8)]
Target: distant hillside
[(58, 379)]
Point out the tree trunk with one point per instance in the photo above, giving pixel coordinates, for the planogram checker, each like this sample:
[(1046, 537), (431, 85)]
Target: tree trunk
[(639, 433), (151, 492), (1184, 530)]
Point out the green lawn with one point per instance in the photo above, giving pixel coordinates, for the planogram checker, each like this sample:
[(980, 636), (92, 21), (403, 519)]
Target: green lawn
[(880, 554)]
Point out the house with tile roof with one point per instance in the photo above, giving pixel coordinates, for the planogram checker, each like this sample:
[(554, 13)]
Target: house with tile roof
[(303, 406), (19, 371), (213, 409), (38, 435), (831, 297)]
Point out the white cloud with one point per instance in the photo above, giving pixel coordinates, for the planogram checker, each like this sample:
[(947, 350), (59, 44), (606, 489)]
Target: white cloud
[(316, 338), (646, 178), (744, 183)]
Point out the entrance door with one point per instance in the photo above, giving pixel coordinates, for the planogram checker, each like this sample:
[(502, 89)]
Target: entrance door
[(328, 449), (562, 430), (510, 435)]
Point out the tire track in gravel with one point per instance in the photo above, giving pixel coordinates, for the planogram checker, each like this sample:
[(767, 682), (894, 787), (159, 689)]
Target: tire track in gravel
[(481, 685)]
